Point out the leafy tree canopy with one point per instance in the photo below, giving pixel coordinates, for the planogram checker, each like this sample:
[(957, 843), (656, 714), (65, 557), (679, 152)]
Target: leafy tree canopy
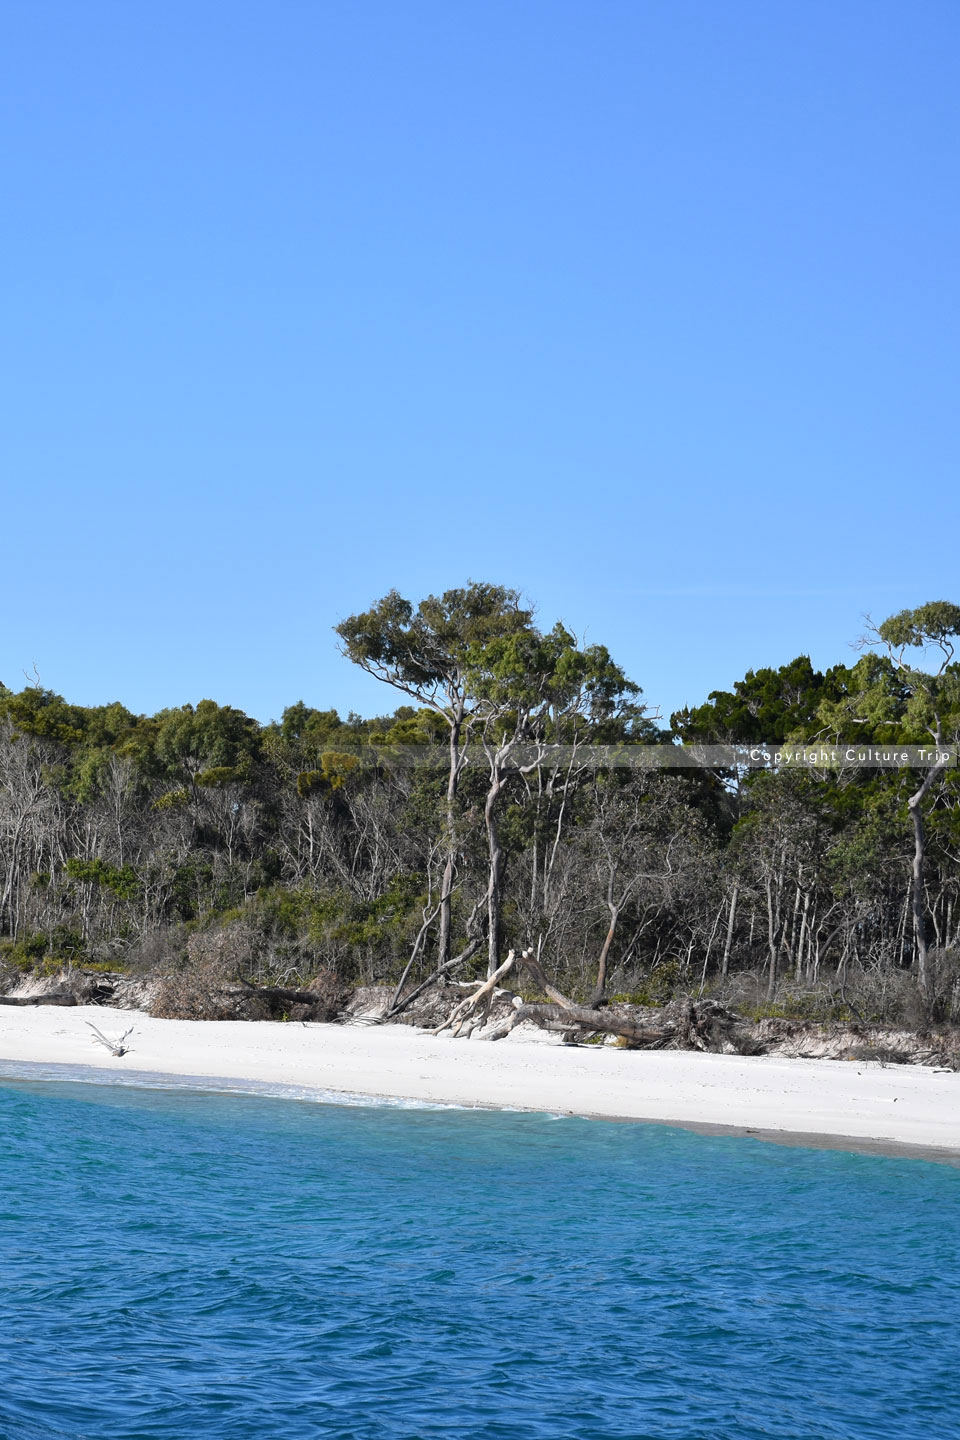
[(426, 651), (767, 705)]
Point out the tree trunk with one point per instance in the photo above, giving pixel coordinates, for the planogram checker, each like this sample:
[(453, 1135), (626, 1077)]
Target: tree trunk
[(771, 942), (495, 881), (915, 806), (728, 943), (446, 884), (803, 938), (604, 954), (494, 859), (901, 938), (709, 950), (428, 920)]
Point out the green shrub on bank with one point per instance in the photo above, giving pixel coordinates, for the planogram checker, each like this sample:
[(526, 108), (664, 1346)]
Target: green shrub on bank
[(44, 952)]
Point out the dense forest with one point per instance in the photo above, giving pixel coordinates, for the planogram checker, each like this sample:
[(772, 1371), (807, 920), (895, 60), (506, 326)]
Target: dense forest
[(482, 815)]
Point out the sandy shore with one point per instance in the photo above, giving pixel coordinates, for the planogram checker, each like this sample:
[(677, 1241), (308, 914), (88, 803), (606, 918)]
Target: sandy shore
[(825, 1102)]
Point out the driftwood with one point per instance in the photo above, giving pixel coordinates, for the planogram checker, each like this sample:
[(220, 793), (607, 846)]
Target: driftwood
[(52, 997), (463, 1012), (566, 1014), (116, 1047), (578, 1018), (685, 1025), (471, 1013)]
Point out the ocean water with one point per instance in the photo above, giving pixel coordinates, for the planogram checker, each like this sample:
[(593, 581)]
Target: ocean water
[(181, 1264)]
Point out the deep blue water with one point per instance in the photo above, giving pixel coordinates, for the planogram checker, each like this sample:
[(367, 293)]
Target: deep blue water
[(180, 1264)]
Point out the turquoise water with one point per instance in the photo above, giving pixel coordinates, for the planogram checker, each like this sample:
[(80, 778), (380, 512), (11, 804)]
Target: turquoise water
[(179, 1263)]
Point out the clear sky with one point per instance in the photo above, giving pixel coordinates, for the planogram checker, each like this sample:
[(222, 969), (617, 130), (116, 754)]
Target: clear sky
[(646, 307)]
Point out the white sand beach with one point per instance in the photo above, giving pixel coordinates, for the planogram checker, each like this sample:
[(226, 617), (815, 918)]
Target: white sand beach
[(826, 1101)]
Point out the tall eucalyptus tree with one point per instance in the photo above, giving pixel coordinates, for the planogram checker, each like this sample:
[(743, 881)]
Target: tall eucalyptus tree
[(429, 653)]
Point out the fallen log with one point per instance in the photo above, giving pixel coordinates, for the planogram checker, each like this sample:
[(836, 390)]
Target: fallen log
[(561, 1014), (438, 974), (52, 997), (563, 1017), (686, 1024)]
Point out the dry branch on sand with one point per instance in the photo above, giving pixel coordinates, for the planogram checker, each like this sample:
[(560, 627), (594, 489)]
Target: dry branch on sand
[(471, 1009), (116, 1047)]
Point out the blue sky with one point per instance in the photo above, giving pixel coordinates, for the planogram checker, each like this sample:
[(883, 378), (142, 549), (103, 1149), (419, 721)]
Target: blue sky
[(648, 309)]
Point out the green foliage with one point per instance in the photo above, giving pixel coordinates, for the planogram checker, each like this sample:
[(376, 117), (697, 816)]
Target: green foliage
[(408, 726), (767, 705), (191, 741), (308, 843), (43, 714), (426, 652), (336, 766), (218, 776), (936, 623), (121, 880), (658, 986), (44, 952), (172, 800), (308, 781), (314, 728), (25, 953)]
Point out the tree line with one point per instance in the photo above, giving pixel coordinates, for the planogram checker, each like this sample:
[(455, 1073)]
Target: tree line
[(480, 815)]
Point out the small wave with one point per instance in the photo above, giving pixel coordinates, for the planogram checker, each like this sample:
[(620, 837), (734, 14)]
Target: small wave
[(40, 1071)]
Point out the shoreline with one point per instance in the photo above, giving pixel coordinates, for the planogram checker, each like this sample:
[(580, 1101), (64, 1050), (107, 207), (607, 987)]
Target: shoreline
[(91, 1074), (822, 1104)]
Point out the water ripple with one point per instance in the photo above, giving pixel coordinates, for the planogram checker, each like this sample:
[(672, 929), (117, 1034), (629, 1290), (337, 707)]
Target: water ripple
[(175, 1263)]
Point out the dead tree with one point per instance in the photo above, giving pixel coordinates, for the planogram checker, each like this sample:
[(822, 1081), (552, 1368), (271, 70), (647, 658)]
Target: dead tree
[(399, 1003), (470, 1009)]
